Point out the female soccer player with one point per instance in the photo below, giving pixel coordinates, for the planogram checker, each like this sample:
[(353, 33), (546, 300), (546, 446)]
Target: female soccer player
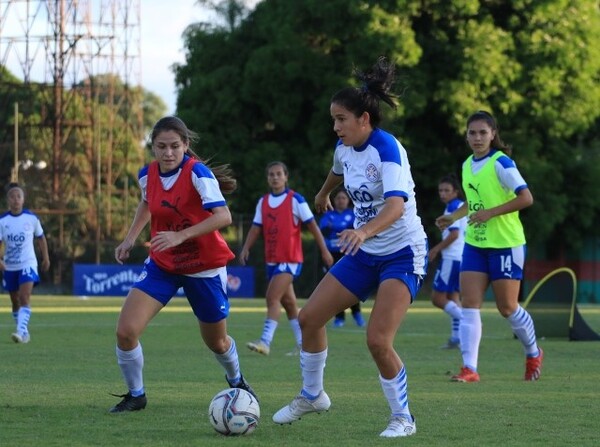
[(386, 251), (19, 227), (494, 249), (445, 293), (279, 217), (182, 200)]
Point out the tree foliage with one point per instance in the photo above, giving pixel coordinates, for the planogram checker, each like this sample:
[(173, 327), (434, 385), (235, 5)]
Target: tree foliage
[(96, 163), (260, 91)]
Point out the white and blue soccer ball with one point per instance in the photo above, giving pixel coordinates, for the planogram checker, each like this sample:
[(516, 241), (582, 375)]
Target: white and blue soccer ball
[(234, 412)]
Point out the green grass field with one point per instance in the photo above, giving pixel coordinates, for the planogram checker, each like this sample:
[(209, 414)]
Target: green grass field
[(55, 390)]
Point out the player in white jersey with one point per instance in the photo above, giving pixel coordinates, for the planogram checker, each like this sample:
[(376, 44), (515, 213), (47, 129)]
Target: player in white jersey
[(385, 252), (18, 229), (445, 294)]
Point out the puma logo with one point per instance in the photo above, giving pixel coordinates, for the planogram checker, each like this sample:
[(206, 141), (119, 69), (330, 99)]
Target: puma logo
[(474, 188), (166, 204)]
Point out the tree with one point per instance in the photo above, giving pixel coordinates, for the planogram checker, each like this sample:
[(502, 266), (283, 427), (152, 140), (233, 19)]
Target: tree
[(260, 91), (100, 154)]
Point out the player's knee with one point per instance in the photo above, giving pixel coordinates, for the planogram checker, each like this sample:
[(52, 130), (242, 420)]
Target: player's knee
[(377, 346), (127, 339)]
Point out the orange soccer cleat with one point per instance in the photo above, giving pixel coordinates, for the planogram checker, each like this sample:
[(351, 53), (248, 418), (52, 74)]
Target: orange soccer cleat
[(465, 375), (533, 366)]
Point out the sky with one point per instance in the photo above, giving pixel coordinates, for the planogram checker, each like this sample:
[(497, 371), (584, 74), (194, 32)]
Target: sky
[(162, 44), (162, 23)]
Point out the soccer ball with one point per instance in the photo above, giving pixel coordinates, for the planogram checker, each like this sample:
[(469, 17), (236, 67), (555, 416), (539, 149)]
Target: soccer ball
[(234, 412)]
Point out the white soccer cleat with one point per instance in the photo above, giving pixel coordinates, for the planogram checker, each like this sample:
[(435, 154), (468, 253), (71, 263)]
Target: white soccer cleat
[(399, 426), (259, 346), (300, 406), (18, 337)]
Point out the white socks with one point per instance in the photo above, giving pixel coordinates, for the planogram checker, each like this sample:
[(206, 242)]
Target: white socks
[(313, 366), (522, 326), (470, 337), (396, 392), (230, 362), (132, 364)]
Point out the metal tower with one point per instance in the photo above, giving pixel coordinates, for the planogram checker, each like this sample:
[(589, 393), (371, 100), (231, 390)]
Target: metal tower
[(60, 49)]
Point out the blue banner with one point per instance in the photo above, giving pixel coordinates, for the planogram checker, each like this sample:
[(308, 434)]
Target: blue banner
[(116, 280)]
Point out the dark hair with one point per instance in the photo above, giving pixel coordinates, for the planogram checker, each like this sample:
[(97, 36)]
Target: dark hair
[(223, 172), (497, 143), (337, 191), (277, 163), (13, 185), (452, 180), (375, 85)]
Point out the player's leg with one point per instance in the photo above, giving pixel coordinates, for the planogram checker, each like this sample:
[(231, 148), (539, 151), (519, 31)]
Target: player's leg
[(339, 289), (454, 309), (26, 279), (473, 285), (24, 313), (147, 297), (225, 350), (138, 309), (278, 286), (509, 264), (208, 299), (289, 301), (445, 297), (357, 315), (390, 306)]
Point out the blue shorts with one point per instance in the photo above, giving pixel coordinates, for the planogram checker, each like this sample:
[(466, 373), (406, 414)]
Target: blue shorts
[(207, 296), (293, 269), (498, 263), (447, 276), (12, 279), (362, 273)]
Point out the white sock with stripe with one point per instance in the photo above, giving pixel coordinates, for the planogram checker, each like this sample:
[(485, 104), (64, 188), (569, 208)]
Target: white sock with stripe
[(522, 326), (297, 331), (396, 392), (231, 363), (313, 367), (23, 317), (269, 331)]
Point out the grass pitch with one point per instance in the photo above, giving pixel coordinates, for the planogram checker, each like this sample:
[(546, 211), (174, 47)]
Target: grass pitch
[(55, 390)]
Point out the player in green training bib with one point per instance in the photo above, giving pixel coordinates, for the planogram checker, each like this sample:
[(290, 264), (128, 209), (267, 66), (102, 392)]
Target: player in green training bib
[(494, 249)]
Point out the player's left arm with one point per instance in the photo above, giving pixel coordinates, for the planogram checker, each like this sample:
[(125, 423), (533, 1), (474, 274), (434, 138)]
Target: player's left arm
[(43, 247), (320, 240)]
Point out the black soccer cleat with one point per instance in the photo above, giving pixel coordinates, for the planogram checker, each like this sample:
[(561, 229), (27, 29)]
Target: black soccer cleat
[(243, 385), (129, 403)]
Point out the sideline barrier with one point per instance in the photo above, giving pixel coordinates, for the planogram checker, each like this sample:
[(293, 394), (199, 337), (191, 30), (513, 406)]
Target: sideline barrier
[(116, 280)]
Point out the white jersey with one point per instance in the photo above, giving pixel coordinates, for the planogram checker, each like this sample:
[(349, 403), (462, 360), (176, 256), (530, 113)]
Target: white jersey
[(373, 172), (300, 208), (454, 251), (509, 176), (17, 233)]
